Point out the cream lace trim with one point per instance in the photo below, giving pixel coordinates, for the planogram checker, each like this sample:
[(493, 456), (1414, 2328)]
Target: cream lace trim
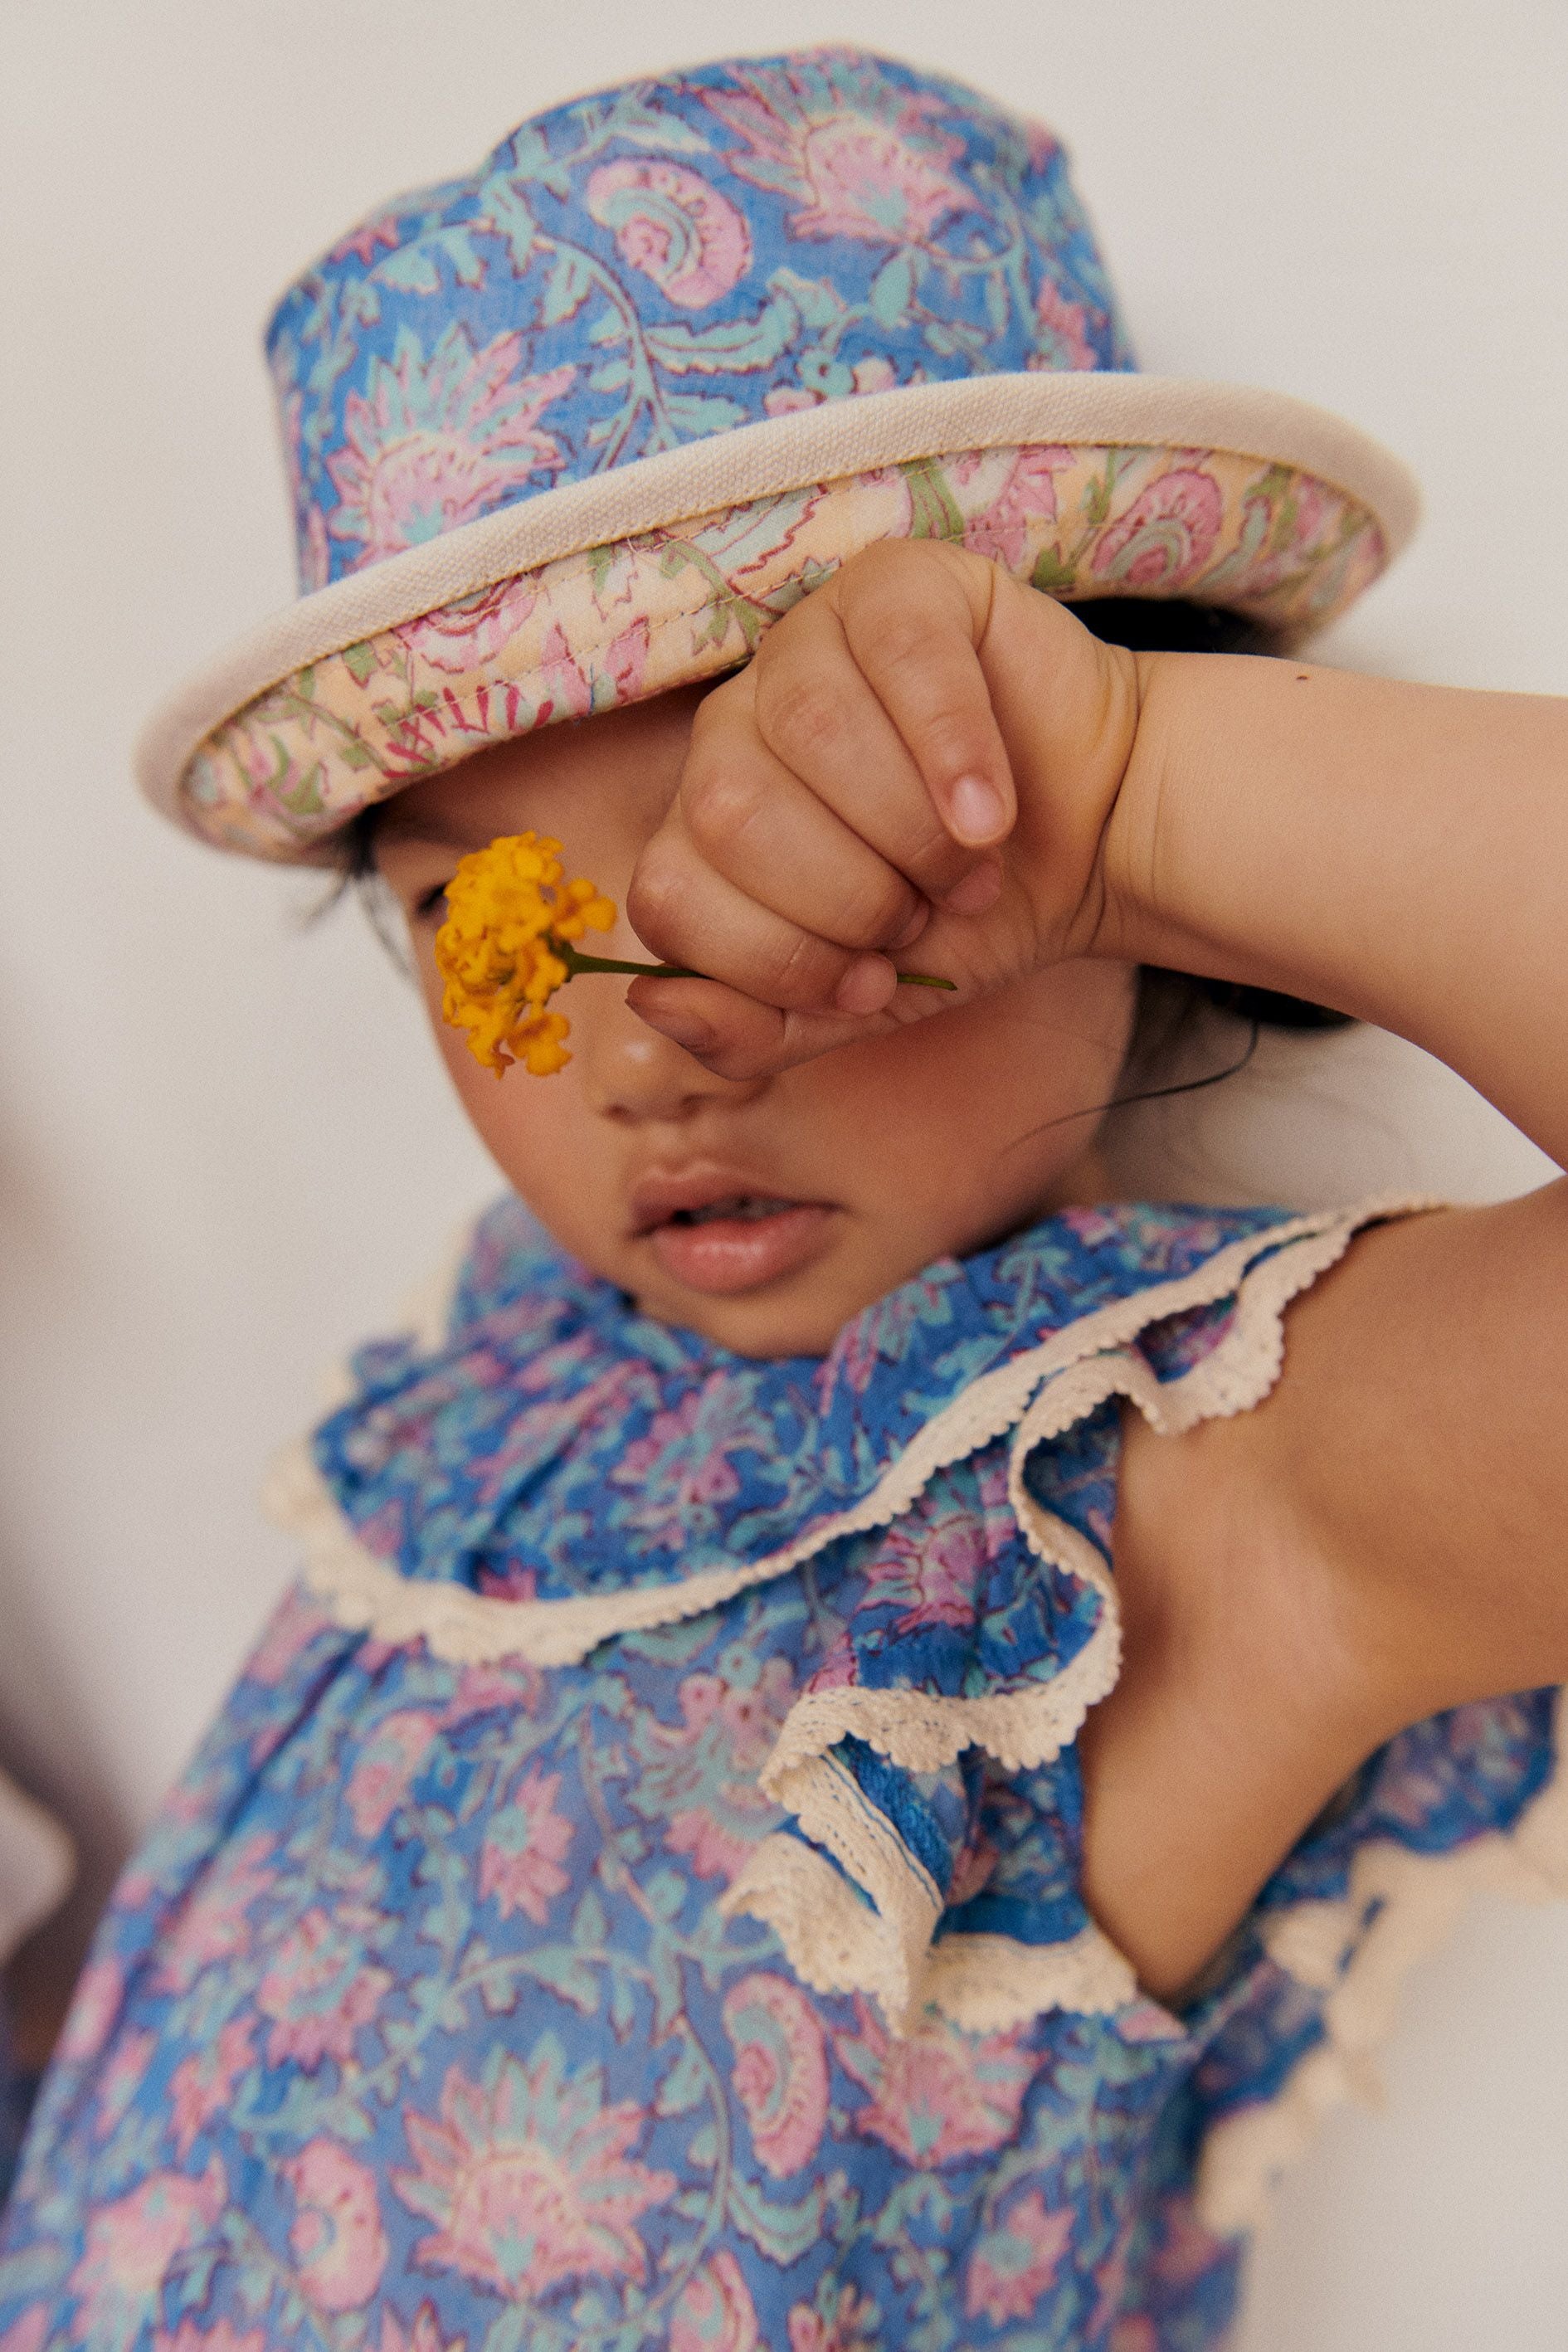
[(836, 1943), (883, 1944), (470, 1627), (1421, 1897)]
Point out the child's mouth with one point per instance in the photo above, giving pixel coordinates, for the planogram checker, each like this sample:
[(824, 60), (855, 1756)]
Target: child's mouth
[(735, 1241)]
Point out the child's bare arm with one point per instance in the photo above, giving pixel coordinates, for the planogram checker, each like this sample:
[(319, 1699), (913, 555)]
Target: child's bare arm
[(1386, 1535)]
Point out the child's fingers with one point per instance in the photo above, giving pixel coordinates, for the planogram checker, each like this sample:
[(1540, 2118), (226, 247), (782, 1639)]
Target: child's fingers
[(753, 821), (808, 700), (688, 914), (733, 1036), (913, 625)]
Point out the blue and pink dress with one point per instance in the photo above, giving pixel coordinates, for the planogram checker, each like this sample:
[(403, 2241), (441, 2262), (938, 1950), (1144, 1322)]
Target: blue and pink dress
[(631, 1896)]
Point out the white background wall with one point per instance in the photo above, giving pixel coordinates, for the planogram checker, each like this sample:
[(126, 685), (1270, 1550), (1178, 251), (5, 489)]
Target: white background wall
[(224, 1146)]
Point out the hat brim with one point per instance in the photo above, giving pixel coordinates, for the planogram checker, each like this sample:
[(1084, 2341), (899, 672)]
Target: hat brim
[(666, 571)]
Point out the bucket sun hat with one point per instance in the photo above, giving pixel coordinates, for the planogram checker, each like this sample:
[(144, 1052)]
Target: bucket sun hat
[(576, 429)]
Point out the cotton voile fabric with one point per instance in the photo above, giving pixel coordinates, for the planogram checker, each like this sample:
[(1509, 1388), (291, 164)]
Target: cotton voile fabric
[(632, 1895)]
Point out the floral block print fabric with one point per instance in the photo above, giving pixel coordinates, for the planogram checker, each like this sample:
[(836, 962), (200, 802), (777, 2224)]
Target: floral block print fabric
[(642, 268), (421, 2023), (663, 608)]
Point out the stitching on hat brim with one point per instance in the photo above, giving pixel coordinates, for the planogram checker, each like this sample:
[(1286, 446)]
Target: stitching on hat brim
[(781, 453)]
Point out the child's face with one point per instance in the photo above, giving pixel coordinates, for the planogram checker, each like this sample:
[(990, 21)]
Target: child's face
[(855, 1170)]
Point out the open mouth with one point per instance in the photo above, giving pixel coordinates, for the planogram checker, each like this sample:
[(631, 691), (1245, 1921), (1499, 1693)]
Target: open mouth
[(722, 1238), (741, 1209)]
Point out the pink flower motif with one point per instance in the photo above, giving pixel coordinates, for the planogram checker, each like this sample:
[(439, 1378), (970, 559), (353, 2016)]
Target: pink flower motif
[(202, 2085), (426, 2335), (715, 2312), (781, 2069), (386, 1765), (681, 1470), (214, 1923), (468, 633), (570, 688), (1165, 536), (1012, 2267), (783, 399), (837, 2319), (525, 1845), (134, 2243), (860, 158), (1061, 340), (669, 223), (625, 661), (875, 375), (336, 2239), (293, 1626), (320, 1990), (940, 2097), (95, 2005), (527, 2177), (221, 2337), (1028, 495), (29, 2333), (699, 1777), (440, 441)]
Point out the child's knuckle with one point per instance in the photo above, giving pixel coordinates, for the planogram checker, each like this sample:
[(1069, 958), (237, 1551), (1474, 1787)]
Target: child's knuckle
[(721, 804), (801, 718), (653, 892), (802, 970)]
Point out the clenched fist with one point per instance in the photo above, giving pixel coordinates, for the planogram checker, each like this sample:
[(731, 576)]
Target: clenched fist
[(917, 771)]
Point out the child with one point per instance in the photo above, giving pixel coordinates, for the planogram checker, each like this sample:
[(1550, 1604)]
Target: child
[(693, 1865)]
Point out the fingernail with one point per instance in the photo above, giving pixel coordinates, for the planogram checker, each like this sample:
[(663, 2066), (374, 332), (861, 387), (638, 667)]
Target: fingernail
[(976, 810), (913, 927), (680, 1028), (979, 889), (866, 986)]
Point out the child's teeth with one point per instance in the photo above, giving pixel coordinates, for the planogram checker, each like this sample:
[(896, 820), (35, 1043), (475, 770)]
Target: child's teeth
[(744, 1210)]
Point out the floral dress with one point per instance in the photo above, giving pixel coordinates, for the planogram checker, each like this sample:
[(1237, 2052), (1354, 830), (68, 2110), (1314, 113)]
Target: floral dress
[(631, 1896)]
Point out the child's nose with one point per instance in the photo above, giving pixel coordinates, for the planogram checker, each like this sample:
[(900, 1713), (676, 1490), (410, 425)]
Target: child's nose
[(630, 1072)]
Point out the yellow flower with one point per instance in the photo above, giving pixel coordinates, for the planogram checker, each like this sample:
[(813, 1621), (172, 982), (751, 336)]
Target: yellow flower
[(507, 945), (509, 941)]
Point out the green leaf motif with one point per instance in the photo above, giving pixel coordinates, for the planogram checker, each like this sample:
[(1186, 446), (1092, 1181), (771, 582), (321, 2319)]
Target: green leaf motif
[(933, 509), (412, 271), (781, 2232), (632, 118), (613, 376), (570, 282), (589, 1924), (891, 289), (819, 304), (693, 413), (1051, 574), (564, 1973), (507, 211), (733, 347), (683, 2087), (361, 661)]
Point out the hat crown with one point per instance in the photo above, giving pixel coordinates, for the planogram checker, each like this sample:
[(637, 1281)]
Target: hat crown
[(643, 267)]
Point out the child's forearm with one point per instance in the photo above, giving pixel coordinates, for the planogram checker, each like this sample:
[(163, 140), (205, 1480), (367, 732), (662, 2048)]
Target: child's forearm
[(1399, 852)]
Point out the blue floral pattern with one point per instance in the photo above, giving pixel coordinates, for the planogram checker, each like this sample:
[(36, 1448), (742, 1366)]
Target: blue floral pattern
[(415, 2025), (672, 259)]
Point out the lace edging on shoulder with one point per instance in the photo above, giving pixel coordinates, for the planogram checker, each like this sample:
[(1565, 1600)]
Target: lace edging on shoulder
[(865, 1919), (1358, 1951), (364, 1592)]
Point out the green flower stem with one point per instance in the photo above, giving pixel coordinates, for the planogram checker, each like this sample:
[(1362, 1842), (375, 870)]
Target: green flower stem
[(575, 962)]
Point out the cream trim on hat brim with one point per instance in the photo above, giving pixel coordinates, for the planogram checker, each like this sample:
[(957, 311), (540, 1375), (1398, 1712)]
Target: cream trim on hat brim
[(781, 453)]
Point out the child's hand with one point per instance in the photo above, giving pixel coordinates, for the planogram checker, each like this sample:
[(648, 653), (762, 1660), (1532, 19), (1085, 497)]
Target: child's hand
[(917, 770)]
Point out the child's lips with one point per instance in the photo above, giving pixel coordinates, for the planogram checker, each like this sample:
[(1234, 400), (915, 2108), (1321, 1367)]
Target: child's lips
[(724, 1255), (719, 1231)]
